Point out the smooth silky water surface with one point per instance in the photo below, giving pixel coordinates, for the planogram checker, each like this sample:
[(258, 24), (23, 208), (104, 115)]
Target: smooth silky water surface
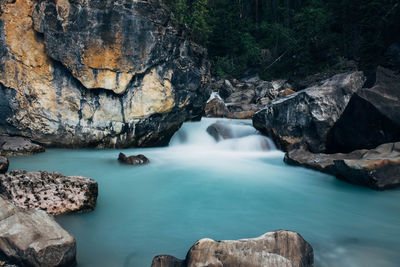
[(233, 189)]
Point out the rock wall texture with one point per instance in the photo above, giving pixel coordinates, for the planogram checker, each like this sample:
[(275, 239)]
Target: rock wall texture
[(53, 192), (97, 73)]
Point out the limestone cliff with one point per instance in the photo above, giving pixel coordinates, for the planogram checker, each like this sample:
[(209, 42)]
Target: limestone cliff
[(97, 73)]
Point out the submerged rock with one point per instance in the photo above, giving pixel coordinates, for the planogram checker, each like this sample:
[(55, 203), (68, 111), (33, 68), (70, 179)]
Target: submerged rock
[(4, 163), (34, 238), (97, 73), (377, 168), (371, 118), (18, 146), (274, 249), (133, 160), (307, 116), (220, 131), (53, 192)]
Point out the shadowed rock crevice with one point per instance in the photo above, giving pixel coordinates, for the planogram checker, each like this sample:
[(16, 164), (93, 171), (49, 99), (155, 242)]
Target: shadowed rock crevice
[(371, 118)]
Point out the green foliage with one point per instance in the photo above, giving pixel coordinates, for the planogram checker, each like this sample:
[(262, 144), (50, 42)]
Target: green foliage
[(281, 38)]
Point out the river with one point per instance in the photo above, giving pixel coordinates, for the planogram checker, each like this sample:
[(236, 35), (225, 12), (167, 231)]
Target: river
[(197, 188)]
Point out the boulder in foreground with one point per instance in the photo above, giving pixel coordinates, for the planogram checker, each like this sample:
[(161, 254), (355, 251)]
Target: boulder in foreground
[(275, 249), (377, 168), (34, 238), (307, 116), (53, 192), (18, 146)]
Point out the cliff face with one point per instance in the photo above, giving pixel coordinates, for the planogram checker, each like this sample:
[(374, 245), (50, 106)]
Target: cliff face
[(96, 73)]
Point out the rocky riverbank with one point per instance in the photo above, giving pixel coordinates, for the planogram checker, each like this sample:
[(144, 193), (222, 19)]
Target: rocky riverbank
[(241, 99), (341, 116)]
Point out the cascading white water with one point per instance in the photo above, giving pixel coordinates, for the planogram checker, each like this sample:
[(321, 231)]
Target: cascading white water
[(242, 136)]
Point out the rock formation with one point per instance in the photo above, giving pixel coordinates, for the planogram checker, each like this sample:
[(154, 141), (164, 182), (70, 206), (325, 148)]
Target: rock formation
[(241, 99), (4, 163), (377, 168), (216, 108), (53, 192), (133, 160), (97, 73), (274, 249), (305, 118), (371, 118), (18, 146), (34, 238)]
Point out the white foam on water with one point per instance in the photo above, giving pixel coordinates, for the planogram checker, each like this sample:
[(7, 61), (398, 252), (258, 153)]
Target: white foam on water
[(245, 138)]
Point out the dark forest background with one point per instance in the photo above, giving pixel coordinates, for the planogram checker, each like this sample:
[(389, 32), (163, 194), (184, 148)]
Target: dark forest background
[(290, 38)]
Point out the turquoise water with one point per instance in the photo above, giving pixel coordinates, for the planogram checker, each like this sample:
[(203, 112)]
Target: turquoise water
[(196, 188)]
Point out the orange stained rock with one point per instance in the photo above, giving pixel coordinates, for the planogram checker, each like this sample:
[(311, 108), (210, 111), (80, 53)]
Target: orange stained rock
[(31, 71)]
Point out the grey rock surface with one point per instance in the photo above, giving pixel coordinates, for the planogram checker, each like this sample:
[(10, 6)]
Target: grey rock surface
[(377, 168), (305, 118), (371, 118), (34, 238), (18, 146)]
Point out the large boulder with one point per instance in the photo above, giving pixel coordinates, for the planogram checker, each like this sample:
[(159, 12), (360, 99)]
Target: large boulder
[(34, 238), (4, 163), (377, 168), (97, 73), (274, 249), (18, 146), (371, 118), (305, 118), (53, 192)]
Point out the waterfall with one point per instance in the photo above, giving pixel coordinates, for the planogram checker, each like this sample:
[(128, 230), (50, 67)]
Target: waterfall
[(221, 135)]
